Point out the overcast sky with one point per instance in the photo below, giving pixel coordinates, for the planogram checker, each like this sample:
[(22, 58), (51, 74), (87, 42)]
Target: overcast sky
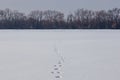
[(60, 5)]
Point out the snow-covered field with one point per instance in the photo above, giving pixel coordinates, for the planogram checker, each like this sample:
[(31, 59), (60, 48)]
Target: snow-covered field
[(87, 54)]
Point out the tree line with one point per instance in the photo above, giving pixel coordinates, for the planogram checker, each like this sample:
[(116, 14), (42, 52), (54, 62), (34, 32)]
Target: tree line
[(51, 19)]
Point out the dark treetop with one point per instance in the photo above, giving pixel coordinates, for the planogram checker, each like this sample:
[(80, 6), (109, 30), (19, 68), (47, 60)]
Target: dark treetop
[(49, 19)]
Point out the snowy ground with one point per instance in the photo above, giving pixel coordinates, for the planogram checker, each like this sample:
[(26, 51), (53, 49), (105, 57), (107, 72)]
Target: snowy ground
[(88, 54)]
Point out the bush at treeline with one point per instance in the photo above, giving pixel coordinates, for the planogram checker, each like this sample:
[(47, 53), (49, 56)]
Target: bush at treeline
[(50, 19)]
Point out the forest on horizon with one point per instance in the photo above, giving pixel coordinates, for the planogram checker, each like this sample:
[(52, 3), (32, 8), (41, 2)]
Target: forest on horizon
[(52, 19)]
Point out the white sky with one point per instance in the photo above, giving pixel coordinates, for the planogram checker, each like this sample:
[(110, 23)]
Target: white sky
[(60, 5)]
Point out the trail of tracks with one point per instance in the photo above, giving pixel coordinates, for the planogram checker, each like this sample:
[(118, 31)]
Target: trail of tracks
[(57, 73)]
